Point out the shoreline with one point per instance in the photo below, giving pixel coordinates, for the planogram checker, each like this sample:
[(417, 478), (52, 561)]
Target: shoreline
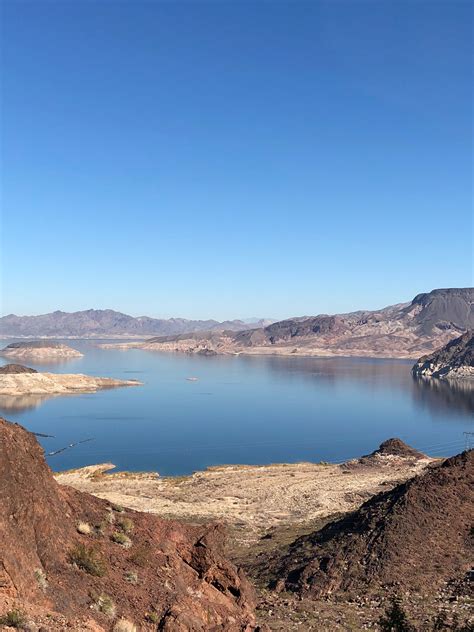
[(253, 500)]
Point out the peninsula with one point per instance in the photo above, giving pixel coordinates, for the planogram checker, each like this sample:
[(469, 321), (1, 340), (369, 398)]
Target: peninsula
[(40, 350), (18, 380)]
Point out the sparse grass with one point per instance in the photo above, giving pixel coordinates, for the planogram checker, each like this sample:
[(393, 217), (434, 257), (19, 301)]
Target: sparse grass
[(41, 580), (120, 538), (106, 605), (124, 625), (110, 517), (126, 525), (118, 508), (131, 577), (89, 559), (100, 528), (141, 556), (84, 528), (152, 617), (14, 619)]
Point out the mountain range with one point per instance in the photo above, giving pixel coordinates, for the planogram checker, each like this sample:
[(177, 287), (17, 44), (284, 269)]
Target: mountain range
[(107, 323), (404, 330)]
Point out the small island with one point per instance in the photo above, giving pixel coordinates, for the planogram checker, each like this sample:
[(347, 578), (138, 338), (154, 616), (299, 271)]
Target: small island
[(41, 350), (19, 380), (453, 361)]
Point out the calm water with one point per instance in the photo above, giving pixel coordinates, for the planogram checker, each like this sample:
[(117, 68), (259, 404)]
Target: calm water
[(241, 410)]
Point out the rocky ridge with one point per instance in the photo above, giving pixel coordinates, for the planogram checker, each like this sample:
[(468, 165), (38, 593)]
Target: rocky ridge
[(69, 560), (413, 537)]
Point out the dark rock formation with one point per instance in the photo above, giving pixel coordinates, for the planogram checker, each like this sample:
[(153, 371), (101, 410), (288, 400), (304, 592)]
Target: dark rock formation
[(414, 537), (455, 360), (16, 368), (183, 576), (395, 447)]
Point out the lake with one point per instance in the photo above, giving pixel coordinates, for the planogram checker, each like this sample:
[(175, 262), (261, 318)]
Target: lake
[(252, 410)]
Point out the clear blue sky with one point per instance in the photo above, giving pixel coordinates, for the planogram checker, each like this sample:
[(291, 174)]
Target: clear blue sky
[(234, 159)]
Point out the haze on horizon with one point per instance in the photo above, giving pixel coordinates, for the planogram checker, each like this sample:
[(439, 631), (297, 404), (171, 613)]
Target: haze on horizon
[(234, 160)]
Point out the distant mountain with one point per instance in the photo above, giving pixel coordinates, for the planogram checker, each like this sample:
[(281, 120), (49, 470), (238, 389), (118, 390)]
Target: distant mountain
[(98, 323), (455, 360), (405, 330)]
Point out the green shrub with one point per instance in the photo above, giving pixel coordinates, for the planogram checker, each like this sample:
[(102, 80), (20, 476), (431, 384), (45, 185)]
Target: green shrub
[(125, 524), (13, 619), (41, 579), (131, 577), (106, 605), (152, 617), (89, 559), (395, 618), (122, 539)]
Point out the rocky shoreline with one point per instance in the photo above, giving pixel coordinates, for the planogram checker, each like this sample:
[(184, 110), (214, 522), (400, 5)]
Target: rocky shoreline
[(452, 362), (23, 382)]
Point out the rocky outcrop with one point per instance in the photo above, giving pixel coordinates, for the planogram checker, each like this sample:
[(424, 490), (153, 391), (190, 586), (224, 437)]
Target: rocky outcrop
[(414, 537), (453, 361), (40, 350), (76, 555), (15, 369)]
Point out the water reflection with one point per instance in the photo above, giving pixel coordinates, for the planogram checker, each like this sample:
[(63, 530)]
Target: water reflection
[(438, 396), (21, 403), (442, 396)]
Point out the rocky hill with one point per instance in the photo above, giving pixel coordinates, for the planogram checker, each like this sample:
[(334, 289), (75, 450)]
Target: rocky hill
[(69, 560), (453, 361), (98, 323), (414, 537), (405, 330)]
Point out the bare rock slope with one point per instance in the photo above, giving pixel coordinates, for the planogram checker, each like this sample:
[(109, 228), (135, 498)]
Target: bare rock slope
[(72, 556), (454, 361), (414, 537)]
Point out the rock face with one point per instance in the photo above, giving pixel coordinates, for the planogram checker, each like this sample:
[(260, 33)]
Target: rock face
[(15, 368), (49, 559), (401, 331), (414, 537), (453, 361), (107, 322), (39, 350)]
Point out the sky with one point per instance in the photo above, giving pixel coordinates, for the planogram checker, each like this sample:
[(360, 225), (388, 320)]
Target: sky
[(234, 159)]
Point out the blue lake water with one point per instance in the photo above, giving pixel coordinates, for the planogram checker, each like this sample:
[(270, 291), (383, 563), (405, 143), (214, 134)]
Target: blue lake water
[(251, 410)]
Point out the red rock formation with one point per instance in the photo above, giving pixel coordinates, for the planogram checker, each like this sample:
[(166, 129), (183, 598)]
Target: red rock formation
[(176, 574)]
